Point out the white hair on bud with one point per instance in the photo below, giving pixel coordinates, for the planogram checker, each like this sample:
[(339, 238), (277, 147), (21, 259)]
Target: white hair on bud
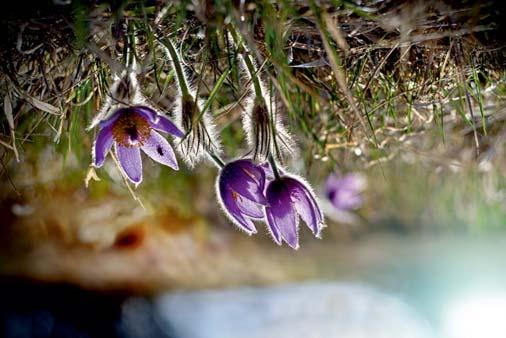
[(191, 151), (116, 98), (284, 141)]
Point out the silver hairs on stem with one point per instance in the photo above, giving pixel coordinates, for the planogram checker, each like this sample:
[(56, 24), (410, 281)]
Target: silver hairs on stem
[(200, 137)]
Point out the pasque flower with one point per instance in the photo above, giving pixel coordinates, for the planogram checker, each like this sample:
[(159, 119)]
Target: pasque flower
[(345, 193), (240, 189), (288, 198), (131, 129), (250, 192)]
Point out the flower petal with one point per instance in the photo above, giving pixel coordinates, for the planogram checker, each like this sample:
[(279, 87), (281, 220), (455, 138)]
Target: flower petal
[(102, 145), (346, 200), (269, 174), (130, 160), (149, 113), (353, 181), (249, 208), (157, 147), (273, 228), (280, 213), (167, 126), (229, 204), (111, 119), (245, 178), (345, 193), (306, 206)]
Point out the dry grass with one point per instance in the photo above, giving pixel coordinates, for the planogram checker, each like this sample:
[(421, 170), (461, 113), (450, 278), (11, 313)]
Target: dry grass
[(358, 86)]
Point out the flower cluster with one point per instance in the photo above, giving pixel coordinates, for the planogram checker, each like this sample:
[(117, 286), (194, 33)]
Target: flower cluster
[(250, 192), (247, 191)]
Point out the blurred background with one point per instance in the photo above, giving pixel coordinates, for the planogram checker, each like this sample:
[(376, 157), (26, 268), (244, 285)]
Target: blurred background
[(405, 98)]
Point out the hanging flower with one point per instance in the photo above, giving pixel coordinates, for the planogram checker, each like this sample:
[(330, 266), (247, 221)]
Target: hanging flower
[(124, 92), (131, 129), (289, 197), (240, 189), (345, 193)]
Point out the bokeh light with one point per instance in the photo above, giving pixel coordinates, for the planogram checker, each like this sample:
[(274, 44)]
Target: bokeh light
[(476, 315)]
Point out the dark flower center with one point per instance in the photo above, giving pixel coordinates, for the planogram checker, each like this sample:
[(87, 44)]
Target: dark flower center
[(331, 194), (131, 129)]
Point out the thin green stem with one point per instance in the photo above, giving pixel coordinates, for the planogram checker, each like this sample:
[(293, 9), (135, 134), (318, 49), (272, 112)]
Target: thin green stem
[(274, 167), (130, 56), (273, 124), (216, 159), (169, 46), (248, 61)]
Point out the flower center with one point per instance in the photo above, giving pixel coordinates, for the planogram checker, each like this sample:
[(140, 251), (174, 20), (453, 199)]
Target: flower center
[(131, 129)]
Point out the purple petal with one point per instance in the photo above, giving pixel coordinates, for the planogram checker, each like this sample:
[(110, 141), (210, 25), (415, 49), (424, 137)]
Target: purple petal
[(157, 147), (149, 113), (130, 160), (245, 178), (345, 193), (108, 122), (233, 212), (280, 214), (273, 228), (269, 174), (349, 182), (249, 208), (346, 200), (102, 145), (165, 125), (332, 183), (306, 206)]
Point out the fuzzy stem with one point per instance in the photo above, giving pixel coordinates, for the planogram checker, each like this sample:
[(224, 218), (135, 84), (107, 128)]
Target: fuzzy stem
[(274, 167), (216, 159), (177, 67), (273, 124), (131, 40), (249, 63)]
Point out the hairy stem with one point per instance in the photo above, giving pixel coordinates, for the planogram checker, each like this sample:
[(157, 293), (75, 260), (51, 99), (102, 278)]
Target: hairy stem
[(216, 159), (274, 166), (169, 46), (253, 72)]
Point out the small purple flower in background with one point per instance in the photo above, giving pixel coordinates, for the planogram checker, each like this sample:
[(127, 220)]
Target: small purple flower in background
[(288, 198), (345, 193), (240, 188), (131, 129)]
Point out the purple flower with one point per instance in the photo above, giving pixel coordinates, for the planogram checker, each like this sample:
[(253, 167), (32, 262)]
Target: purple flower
[(240, 188), (288, 198), (131, 129), (345, 193)]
